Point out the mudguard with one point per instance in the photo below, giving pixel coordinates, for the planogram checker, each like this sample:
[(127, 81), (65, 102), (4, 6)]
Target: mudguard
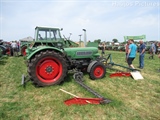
[(41, 48), (90, 65)]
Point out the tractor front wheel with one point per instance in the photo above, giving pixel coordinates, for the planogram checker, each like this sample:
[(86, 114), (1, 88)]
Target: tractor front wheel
[(97, 71), (47, 68)]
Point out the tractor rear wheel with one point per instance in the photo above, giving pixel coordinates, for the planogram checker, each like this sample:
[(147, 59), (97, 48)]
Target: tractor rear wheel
[(97, 71), (23, 50), (47, 68)]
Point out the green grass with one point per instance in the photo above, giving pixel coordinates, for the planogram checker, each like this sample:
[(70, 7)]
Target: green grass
[(131, 99)]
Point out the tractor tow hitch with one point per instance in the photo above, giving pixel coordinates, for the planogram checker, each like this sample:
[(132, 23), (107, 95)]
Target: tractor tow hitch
[(78, 77)]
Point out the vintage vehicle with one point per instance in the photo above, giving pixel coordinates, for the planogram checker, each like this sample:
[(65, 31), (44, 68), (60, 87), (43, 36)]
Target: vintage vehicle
[(50, 57)]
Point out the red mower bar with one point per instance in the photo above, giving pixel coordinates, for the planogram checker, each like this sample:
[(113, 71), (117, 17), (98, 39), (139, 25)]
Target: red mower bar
[(83, 101), (120, 74)]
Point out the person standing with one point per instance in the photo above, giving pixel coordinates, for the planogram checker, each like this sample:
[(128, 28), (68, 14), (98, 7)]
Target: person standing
[(126, 49), (141, 54), (14, 48), (152, 50), (131, 53), (18, 46), (103, 49)]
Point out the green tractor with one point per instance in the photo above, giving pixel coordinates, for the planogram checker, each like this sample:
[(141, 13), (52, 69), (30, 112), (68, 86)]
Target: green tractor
[(46, 35), (50, 58)]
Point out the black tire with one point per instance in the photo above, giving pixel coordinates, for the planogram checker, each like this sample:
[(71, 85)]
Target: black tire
[(47, 68), (97, 71), (23, 50)]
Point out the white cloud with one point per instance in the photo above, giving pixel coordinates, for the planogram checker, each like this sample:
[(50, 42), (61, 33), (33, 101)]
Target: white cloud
[(145, 21)]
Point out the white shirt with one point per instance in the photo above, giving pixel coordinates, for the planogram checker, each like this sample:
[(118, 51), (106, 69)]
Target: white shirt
[(14, 45)]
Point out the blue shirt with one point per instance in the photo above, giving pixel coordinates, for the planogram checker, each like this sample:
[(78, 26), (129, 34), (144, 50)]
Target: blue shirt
[(133, 50), (142, 46)]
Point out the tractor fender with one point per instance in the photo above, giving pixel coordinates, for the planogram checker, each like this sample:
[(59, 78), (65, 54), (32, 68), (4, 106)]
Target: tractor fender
[(90, 65), (41, 48)]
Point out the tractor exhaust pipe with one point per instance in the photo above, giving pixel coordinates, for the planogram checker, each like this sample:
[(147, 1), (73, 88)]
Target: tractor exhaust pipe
[(85, 37)]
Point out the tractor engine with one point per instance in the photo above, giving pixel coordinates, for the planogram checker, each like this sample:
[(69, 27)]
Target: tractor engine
[(81, 57), (79, 64)]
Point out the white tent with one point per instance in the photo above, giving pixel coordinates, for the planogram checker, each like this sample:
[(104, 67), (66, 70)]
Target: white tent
[(29, 38)]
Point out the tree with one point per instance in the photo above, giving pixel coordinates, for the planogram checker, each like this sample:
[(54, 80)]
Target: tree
[(98, 41), (115, 40)]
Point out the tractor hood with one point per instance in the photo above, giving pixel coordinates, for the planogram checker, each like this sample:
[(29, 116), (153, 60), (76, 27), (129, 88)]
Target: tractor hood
[(79, 52)]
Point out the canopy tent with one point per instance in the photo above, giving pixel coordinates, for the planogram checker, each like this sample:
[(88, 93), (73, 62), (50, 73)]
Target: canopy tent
[(135, 37), (27, 39)]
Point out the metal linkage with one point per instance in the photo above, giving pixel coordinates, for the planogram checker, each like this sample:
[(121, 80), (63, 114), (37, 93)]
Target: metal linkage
[(79, 79), (109, 64)]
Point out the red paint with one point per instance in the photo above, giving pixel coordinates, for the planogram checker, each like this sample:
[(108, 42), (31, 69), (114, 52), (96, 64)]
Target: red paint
[(83, 101), (49, 70), (98, 71), (121, 74)]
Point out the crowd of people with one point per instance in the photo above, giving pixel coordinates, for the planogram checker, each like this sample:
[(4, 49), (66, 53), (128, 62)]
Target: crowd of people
[(131, 51)]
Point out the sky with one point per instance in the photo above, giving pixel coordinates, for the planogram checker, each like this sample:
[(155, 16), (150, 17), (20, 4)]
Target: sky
[(102, 19)]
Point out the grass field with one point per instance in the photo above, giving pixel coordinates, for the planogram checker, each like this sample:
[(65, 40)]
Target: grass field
[(131, 99)]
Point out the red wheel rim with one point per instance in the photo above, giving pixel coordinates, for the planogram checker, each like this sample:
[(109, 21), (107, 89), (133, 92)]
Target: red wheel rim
[(24, 51), (49, 70), (98, 71), (8, 51)]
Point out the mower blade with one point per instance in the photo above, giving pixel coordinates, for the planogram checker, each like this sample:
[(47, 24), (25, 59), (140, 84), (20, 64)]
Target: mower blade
[(105, 101), (120, 74), (83, 101), (78, 78)]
